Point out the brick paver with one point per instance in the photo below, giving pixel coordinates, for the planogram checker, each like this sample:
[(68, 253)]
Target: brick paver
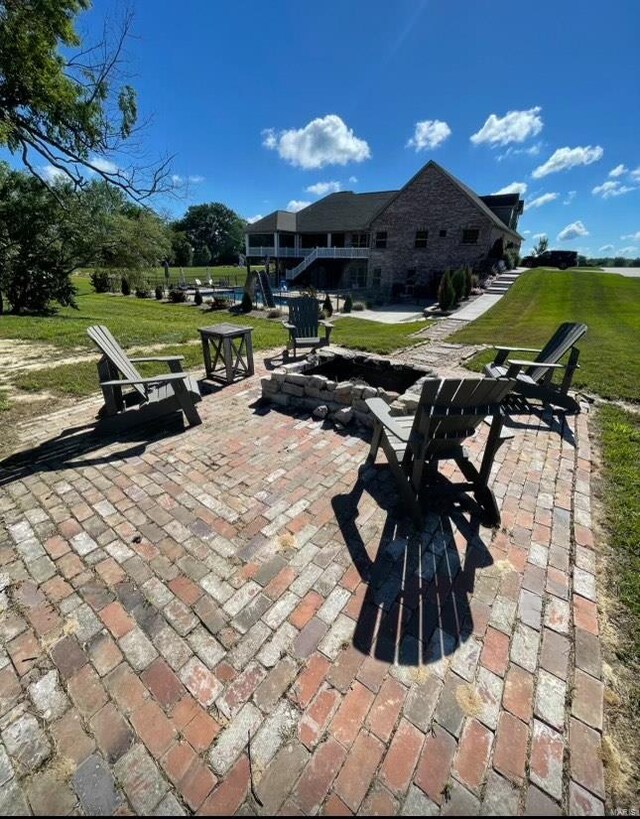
[(164, 600)]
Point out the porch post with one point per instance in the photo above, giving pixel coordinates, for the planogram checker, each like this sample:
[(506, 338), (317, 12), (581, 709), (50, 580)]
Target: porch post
[(328, 240), (276, 245)]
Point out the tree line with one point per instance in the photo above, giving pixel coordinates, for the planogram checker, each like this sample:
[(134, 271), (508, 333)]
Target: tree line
[(46, 233)]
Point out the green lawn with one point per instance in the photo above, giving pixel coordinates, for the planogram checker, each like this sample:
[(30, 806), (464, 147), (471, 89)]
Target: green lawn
[(620, 440), (143, 322), (541, 299)]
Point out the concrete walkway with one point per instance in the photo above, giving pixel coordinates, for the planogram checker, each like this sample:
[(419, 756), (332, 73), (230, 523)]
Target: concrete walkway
[(164, 598)]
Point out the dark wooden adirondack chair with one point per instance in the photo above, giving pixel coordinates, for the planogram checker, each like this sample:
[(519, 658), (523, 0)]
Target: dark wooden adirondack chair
[(303, 325), (449, 411), (534, 378), (153, 396)]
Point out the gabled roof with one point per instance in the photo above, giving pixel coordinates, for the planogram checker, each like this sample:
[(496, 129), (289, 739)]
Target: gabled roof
[(348, 211), (477, 201)]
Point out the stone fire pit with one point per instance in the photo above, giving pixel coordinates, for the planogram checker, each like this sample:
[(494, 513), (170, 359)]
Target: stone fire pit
[(335, 385)]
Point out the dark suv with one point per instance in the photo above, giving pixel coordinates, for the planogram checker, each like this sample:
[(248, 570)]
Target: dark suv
[(552, 258)]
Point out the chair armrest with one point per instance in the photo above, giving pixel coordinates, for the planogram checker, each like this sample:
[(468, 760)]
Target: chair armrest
[(380, 411), (154, 379), (325, 323), (158, 358), (288, 326), (517, 349), (540, 364)]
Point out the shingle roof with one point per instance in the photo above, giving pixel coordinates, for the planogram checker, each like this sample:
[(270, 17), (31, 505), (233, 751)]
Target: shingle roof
[(342, 211), (278, 220), (347, 211)]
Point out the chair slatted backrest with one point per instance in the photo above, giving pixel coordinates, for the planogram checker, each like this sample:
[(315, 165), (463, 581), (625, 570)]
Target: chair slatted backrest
[(303, 313), (106, 343), (450, 410), (560, 343)]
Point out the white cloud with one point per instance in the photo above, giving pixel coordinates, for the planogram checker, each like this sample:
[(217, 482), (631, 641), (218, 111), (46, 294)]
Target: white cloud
[(635, 237), (628, 251), (353, 180), (606, 248), (533, 150), (323, 188), (611, 188), (525, 232), (635, 174), (430, 133), (539, 236), (619, 170), (541, 200), (514, 187), (323, 141), (195, 178), (177, 180), (565, 158), (570, 197), (515, 126), (572, 231), (296, 204), (252, 219), (52, 174), (102, 164)]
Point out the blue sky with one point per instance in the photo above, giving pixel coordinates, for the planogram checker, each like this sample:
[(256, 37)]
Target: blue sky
[(260, 101)]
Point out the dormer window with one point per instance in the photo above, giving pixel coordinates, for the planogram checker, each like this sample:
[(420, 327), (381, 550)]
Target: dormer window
[(381, 239), (421, 238)]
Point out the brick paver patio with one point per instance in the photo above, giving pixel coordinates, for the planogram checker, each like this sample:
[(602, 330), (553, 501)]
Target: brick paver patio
[(163, 600)]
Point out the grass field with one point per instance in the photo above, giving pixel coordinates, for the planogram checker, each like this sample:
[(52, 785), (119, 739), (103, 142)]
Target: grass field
[(144, 322), (541, 299)]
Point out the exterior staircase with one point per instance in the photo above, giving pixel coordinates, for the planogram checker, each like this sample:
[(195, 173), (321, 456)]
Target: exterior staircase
[(265, 288), (502, 283), (327, 253)]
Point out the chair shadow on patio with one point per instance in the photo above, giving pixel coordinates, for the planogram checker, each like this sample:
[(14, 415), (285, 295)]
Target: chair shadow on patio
[(86, 445), (416, 609)]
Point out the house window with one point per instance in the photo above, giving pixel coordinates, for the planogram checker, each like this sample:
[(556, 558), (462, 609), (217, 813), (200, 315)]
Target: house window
[(358, 276), (381, 239), (443, 234), (376, 278), (359, 240), (410, 281), (421, 238), (470, 236)]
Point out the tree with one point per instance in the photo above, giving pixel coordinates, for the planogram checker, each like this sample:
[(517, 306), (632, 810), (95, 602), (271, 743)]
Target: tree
[(459, 284), (44, 238), (202, 256), (181, 250), (215, 226), (541, 246), (64, 102)]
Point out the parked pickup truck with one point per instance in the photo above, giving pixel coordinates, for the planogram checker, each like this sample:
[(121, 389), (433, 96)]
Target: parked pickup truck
[(552, 258)]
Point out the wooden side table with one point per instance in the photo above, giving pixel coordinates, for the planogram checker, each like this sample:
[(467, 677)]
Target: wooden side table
[(233, 345)]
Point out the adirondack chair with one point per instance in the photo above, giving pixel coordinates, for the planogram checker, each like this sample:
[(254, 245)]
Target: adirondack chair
[(154, 396), (449, 411), (534, 378), (303, 325)]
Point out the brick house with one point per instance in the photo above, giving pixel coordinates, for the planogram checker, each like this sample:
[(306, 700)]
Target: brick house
[(390, 242)]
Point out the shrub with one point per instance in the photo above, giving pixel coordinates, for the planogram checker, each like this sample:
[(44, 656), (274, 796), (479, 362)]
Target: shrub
[(275, 312), (358, 305), (159, 293), (446, 293), (468, 282), (327, 307), (511, 258), (247, 305), (219, 304), (142, 293), (100, 281), (458, 282), (177, 296), (348, 304), (197, 298), (124, 287)]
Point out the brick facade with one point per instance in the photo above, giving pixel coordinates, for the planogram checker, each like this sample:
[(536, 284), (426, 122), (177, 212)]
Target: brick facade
[(431, 202)]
